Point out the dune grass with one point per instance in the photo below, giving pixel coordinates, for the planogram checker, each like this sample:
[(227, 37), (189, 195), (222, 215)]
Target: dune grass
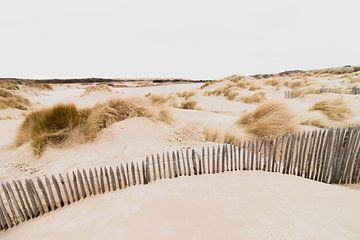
[(54, 125), (186, 94), (11, 100), (315, 122), (96, 88), (255, 98), (188, 104), (270, 119), (230, 138), (228, 91), (302, 91), (9, 85), (336, 110), (158, 98), (211, 135)]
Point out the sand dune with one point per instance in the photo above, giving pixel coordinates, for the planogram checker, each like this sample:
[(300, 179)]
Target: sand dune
[(245, 205)]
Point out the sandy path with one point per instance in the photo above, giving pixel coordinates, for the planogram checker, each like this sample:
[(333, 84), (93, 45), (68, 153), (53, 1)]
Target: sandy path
[(247, 205)]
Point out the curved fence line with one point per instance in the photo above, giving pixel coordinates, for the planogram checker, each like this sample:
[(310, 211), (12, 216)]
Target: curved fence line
[(329, 156), (353, 90)]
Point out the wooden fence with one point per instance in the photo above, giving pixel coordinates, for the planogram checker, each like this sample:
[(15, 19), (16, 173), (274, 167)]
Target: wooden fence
[(354, 91), (329, 156)]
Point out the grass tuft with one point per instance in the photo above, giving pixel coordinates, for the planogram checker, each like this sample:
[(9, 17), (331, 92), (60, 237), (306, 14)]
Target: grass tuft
[(11, 100), (336, 110), (270, 119), (211, 135), (55, 124), (255, 98)]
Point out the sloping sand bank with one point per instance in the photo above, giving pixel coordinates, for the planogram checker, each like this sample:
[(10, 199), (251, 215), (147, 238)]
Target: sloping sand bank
[(247, 205)]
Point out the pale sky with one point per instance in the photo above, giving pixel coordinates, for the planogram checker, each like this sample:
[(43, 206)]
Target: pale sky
[(186, 38)]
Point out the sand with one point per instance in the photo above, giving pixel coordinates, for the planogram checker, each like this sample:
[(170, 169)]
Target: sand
[(248, 205), (240, 205)]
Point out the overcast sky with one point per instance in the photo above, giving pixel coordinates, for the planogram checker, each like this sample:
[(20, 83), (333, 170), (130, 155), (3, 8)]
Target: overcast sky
[(187, 38)]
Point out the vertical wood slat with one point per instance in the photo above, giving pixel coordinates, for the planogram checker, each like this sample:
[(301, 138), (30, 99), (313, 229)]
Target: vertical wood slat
[(71, 190), (76, 188), (16, 204), (26, 199), (124, 176), (45, 195), (62, 181), (10, 204), (106, 173), (51, 194), (37, 197), (112, 178), (87, 183), (5, 216), (22, 201), (118, 177), (57, 189), (159, 166), (81, 183), (139, 173)]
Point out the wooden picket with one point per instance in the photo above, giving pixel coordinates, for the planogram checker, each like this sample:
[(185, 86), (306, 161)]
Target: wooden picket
[(329, 156)]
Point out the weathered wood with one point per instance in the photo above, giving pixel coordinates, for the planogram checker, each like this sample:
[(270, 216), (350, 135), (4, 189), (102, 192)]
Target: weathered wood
[(70, 188), (183, 162), (57, 189), (355, 158), (153, 166), (106, 173), (168, 164), (102, 182), (138, 172), (3, 222), (286, 155), (203, 169), (76, 188), (5, 216), (10, 204), (26, 199), (174, 165), (179, 163), (188, 163), (133, 173), (45, 195), (97, 181), (51, 194), (218, 159), (118, 177), (22, 201), (65, 189), (159, 166), (87, 183), (208, 161), (128, 174), (124, 176), (112, 177), (193, 157), (147, 168), (143, 173), (231, 157), (213, 160), (163, 164), (81, 183), (223, 155), (16, 204), (37, 198)]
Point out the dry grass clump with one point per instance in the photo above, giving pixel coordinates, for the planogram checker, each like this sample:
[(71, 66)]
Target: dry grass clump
[(297, 83), (300, 92), (228, 91), (270, 119), (96, 88), (56, 124), (165, 116), (254, 87), (275, 82), (336, 110), (314, 122), (336, 70), (188, 104), (41, 86), (10, 100), (9, 85), (211, 135), (255, 98), (234, 78), (186, 94), (230, 138), (158, 98), (208, 83)]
